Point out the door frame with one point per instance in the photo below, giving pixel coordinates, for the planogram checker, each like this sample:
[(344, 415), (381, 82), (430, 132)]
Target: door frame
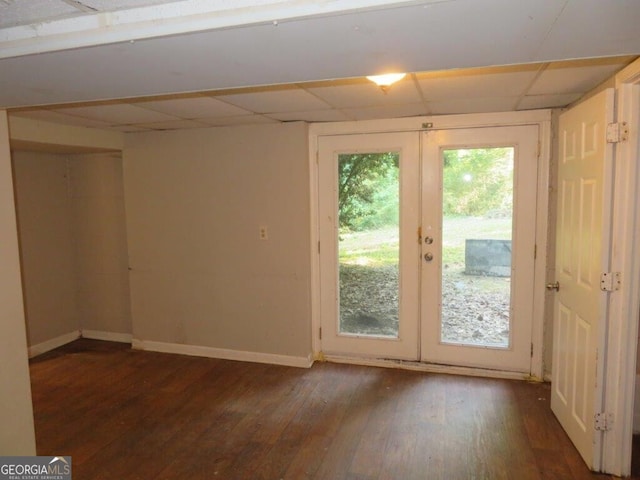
[(624, 306), (541, 118)]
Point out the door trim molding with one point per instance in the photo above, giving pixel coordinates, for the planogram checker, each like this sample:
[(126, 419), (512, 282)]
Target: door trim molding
[(622, 342), (542, 118)]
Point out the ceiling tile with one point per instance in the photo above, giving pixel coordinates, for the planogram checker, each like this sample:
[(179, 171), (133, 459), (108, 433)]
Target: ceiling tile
[(480, 82), (194, 107), (367, 94), (33, 11), (242, 120), (313, 116), (55, 117), (277, 100), (129, 128), (576, 76), (531, 102), (118, 114), (173, 125), (472, 105), (391, 111), (111, 5)]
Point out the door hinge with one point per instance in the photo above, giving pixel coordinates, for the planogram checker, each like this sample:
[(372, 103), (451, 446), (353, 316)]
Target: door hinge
[(617, 132), (535, 252), (610, 281), (318, 247), (531, 349), (320, 333), (603, 422)]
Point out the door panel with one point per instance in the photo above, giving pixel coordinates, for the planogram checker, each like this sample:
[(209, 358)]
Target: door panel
[(368, 228), (477, 306), (582, 254)]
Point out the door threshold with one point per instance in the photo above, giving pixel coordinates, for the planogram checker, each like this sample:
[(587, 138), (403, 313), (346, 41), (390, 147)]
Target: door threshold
[(430, 367)]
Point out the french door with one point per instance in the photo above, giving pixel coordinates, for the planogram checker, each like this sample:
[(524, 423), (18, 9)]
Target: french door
[(427, 245), (369, 258), (478, 221)]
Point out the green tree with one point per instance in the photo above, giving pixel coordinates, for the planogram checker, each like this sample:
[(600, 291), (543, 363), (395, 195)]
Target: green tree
[(367, 189), (476, 181)]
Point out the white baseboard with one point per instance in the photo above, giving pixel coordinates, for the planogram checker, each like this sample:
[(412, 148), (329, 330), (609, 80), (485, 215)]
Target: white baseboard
[(108, 336), (223, 353), (49, 345), (636, 407)]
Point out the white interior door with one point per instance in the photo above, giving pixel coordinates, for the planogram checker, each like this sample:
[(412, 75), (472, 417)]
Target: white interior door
[(478, 222), (582, 253), (369, 254)]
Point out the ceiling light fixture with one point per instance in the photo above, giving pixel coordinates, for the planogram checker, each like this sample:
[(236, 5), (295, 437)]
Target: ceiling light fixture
[(385, 81)]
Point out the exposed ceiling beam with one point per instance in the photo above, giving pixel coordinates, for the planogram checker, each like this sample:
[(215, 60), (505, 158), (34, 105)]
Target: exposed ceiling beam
[(186, 16)]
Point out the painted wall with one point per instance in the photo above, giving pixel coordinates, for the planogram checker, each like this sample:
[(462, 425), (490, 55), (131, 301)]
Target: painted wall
[(17, 435), (636, 405), (73, 246), (46, 245), (100, 240), (200, 275)]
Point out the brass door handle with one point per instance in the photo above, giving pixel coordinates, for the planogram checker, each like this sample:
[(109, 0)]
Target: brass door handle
[(553, 286)]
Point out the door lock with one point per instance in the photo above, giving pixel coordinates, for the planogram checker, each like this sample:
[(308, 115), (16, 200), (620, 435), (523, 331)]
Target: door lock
[(428, 256)]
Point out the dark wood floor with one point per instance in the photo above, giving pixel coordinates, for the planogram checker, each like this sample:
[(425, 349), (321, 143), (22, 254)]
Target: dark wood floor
[(124, 414)]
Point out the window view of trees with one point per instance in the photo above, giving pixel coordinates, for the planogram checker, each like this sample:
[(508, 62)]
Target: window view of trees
[(477, 190), (369, 205), (477, 182), (368, 190)]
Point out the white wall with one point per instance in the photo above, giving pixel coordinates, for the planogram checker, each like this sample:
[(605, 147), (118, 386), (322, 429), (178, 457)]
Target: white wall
[(46, 245), (100, 245), (17, 435), (195, 200), (73, 247)]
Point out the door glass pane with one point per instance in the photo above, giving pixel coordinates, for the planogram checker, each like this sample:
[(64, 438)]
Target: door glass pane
[(369, 248), (476, 246)]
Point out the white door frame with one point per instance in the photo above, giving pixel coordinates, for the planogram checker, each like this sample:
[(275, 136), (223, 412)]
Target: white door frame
[(624, 307), (542, 118)]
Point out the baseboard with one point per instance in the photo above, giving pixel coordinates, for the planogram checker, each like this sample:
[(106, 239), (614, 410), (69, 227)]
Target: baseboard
[(636, 407), (108, 336), (52, 344), (223, 353)]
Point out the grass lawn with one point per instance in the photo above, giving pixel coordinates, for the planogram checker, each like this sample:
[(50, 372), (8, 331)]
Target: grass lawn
[(380, 247)]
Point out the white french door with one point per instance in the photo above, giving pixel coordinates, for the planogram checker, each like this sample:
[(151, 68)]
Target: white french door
[(427, 245), (478, 222), (369, 285)]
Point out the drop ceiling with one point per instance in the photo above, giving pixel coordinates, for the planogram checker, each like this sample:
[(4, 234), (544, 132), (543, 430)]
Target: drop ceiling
[(293, 60)]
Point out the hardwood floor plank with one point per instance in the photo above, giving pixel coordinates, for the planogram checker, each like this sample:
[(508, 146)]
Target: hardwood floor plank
[(153, 415)]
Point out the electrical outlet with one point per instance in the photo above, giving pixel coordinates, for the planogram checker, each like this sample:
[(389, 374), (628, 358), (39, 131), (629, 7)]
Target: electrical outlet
[(263, 234)]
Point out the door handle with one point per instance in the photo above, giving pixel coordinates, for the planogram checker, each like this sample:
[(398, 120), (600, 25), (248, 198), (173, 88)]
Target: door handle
[(553, 286), (428, 256)]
